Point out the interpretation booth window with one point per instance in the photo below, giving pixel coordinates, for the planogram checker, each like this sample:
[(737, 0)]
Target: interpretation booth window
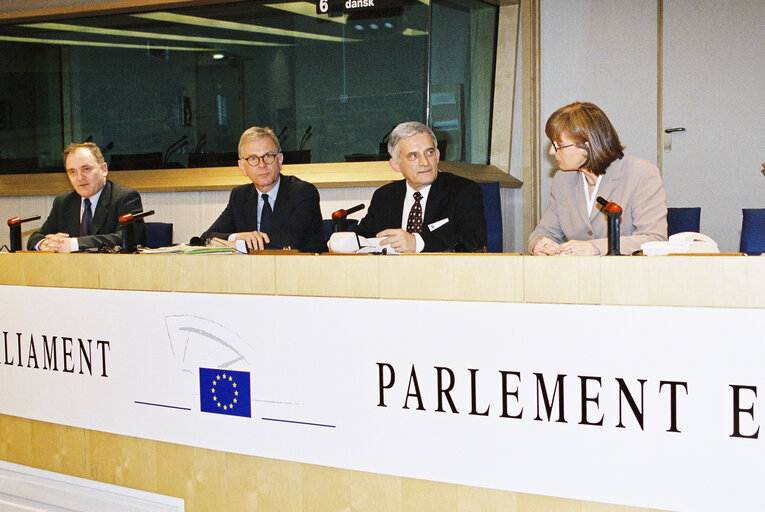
[(175, 88)]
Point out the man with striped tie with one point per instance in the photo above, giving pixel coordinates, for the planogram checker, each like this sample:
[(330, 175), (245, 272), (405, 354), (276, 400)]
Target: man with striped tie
[(429, 210)]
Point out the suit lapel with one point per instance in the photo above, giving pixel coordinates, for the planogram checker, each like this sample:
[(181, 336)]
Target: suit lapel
[(435, 198), (102, 208), (581, 200), (608, 184), (394, 214), (280, 208), (251, 208)]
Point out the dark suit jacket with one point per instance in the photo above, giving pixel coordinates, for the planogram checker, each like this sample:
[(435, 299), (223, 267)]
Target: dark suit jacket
[(296, 220), (116, 200), (451, 197)]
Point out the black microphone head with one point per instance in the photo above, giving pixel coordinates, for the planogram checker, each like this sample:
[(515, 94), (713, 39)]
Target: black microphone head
[(602, 201)]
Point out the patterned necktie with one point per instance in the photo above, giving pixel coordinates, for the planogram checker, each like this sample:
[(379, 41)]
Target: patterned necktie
[(86, 223), (265, 215), (414, 222)]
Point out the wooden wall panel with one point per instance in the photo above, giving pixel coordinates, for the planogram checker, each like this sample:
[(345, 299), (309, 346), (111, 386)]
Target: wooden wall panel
[(354, 275), (562, 279)]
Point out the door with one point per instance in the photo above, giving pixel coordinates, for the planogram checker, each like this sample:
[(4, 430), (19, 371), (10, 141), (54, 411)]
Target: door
[(714, 87)]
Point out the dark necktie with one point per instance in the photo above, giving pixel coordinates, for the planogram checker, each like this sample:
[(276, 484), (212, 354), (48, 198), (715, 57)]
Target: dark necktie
[(265, 215), (86, 223), (414, 222)]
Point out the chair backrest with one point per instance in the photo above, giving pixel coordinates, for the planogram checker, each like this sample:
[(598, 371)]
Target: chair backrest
[(159, 234), (683, 219), (492, 210), (328, 225), (753, 231)]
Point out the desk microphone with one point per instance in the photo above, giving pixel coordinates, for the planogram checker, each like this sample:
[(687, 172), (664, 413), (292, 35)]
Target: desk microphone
[(127, 222), (340, 217), (307, 135), (129, 218), (614, 212), (14, 224)]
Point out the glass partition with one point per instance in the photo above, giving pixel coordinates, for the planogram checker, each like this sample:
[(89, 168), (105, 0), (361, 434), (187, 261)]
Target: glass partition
[(175, 88)]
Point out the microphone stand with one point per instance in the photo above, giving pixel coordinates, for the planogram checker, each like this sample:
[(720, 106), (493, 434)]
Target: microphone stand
[(127, 222), (14, 225), (340, 217), (613, 212)]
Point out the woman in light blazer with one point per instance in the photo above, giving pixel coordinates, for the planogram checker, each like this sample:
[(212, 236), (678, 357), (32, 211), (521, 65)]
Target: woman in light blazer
[(592, 163)]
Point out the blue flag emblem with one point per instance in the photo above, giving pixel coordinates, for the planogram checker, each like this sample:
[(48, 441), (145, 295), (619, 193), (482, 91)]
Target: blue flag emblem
[(224, 392)]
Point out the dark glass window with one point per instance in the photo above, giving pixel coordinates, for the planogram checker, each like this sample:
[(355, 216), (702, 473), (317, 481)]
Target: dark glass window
[(175, 88)]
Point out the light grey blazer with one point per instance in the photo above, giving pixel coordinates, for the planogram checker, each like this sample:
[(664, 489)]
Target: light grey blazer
[(632, 183)]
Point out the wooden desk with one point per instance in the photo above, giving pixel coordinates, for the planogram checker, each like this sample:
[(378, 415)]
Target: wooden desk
[(212, 480)]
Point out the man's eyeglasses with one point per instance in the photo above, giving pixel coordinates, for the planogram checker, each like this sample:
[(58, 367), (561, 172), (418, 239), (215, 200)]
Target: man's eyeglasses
[(558, 148), (254, 160)]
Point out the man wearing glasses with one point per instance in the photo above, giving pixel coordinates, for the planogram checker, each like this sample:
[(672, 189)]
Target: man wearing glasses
[(276, 211)]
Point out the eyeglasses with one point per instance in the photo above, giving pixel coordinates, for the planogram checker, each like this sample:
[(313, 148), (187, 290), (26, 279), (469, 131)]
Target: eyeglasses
[(558, 148), (254, 160)]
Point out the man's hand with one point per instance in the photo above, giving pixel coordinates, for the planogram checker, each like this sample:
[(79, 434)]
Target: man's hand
[(58, 242), (398, 239), (546, 247), (253, 239)]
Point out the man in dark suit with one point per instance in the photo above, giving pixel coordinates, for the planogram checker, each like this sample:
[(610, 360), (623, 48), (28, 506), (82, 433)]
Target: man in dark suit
[(87, 217), (427, 211), (276, 211)]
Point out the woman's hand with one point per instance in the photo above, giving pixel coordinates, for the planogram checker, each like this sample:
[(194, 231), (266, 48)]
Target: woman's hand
[(546, 247), (579, 248)]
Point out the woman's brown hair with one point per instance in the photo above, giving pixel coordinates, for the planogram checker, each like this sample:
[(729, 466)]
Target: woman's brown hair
[(586, 122)]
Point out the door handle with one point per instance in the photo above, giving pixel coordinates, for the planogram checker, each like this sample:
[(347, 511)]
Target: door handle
[(668, 137)]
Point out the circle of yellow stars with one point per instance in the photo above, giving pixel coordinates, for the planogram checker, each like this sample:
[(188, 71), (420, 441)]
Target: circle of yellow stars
[(224, 378)]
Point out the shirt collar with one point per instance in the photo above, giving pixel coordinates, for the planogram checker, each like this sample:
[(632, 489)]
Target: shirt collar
[(271, 193)]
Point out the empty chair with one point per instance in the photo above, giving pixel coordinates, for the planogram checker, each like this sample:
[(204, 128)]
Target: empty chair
[(680, 220), (158, 234), (753, 231), (492, 210)]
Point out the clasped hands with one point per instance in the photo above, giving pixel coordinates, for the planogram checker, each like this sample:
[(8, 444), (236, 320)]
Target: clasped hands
[(548, 247), (57, 242)]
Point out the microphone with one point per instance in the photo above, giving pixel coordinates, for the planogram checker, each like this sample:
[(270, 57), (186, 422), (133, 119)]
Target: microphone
[(279, 137), (16, 220), (200, 143), (129, 218), (14, 224), (614, 212), (611, 209), (340, 217), (384, 142), (307, 135), (341, 214), (127, 222), (175, 146)]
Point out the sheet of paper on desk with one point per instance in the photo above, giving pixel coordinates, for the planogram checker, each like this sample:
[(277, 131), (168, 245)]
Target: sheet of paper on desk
[(372, 245)]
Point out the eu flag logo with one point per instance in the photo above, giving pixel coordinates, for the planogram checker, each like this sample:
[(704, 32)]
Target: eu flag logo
[(224, 392)]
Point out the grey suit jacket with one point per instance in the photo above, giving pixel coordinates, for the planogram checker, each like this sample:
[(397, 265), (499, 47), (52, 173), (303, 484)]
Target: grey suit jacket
[(632, 183)]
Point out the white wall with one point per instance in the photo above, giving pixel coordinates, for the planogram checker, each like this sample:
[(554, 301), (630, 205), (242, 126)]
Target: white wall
[(602, 51)]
